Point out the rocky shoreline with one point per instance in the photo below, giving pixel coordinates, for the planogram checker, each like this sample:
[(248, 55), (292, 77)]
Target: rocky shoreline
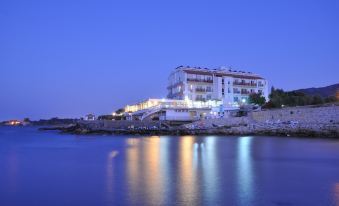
[(79, 129), (297, 121)]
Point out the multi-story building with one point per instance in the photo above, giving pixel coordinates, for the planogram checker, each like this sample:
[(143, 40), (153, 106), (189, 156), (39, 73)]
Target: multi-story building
[(199, 93), (201, 84)]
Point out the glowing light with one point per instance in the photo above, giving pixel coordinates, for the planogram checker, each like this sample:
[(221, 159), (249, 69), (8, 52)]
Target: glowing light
[(245, 170)]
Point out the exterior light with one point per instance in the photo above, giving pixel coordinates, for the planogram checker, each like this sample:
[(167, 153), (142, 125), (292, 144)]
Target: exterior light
[(243, 100)]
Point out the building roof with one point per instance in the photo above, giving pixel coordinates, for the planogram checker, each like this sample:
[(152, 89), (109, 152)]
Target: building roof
[(222, 71)]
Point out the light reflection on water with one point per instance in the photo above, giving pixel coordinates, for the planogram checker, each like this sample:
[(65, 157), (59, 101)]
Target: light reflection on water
[(336, 194), (195, 173), (185, 170), (146, 170), (13, 169), (110, 177), (210, 168), (245, 171)]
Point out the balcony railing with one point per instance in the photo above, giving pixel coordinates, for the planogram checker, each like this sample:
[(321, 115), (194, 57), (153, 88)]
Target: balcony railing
[(260, 85), (175, 85), (200, 99), (175, 94), (200, 90), (249, 84), (245, 92), (200, 80)]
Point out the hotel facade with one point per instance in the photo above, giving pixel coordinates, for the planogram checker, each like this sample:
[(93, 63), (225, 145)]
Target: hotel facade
[(198, 93), (231, 87)]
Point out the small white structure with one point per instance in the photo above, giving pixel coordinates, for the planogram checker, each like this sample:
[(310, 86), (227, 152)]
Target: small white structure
[(90, 117)]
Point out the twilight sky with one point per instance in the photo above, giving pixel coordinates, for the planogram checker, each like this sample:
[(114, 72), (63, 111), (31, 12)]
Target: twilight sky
[(67, 58)]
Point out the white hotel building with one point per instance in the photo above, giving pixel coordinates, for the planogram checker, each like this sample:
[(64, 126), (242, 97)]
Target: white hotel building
[(201, 84), (198, 93)]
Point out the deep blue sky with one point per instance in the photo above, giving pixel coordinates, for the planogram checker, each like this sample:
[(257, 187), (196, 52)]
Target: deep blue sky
[(69, 58)]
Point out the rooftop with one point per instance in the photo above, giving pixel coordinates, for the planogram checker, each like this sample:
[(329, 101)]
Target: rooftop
[(225, 71)]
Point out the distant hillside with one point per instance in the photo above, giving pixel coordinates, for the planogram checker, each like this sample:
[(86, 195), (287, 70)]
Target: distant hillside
[(322, 91)]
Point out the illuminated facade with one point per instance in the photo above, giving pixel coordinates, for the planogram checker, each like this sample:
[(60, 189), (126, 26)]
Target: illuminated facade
[(171, 109), (197, 93), (201, 84)]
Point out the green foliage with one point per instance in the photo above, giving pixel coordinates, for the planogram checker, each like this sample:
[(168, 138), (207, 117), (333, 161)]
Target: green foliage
[(109, 117), (279, 98), (105, 117), (330, 99), (120, 111), (258, 99), (27, 119)]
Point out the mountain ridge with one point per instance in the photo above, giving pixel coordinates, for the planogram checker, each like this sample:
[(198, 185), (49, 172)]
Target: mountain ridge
[(324, 92)]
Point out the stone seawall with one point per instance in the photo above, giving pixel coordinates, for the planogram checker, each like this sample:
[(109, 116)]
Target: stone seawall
[(297, 121), (311, 115), (113, 125)]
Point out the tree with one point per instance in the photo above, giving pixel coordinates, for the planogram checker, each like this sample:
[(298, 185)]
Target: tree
[(27, 119), (256, 98), (330, 99), (120, 111), (279, 97), (317, 100), (105, 117)]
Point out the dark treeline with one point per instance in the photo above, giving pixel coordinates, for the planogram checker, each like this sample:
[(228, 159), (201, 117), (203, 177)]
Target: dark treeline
[(280, 98), (117, 116)]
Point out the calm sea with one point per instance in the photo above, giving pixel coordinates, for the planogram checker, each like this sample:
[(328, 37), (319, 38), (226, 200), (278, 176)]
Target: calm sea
[(46, 168)]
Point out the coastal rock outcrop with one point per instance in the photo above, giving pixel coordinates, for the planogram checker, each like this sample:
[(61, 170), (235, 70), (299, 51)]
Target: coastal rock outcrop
[(297, 121)]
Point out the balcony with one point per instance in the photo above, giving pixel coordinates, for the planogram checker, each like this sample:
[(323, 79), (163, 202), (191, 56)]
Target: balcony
[(200, 80), (200, 99), (245, 92), (175, 85), (260, 85), (200, 90), (248, 84), (175, 94)]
